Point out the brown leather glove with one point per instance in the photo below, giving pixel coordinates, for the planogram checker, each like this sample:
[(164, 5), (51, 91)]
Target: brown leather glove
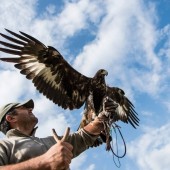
[(96, 126), (109, 108)]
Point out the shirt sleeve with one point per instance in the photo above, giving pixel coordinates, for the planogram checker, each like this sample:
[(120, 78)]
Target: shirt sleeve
[(81, 141), (4, 153)]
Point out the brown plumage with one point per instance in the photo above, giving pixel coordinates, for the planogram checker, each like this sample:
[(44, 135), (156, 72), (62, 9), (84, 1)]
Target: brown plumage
[(125, 110), (53, 76)]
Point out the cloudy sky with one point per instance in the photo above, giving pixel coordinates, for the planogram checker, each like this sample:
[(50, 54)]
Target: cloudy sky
[(130, 39)]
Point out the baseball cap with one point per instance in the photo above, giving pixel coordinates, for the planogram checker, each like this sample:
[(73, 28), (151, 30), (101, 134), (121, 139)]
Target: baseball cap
[(6, 108)]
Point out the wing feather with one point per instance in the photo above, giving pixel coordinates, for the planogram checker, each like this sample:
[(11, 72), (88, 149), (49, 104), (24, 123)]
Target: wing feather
[(18, 36), (14, 52), (13, 39), (48, 70), (13, 46), (125, 111)]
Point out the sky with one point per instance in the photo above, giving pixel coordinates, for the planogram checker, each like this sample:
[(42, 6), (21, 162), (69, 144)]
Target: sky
[(131, 40)]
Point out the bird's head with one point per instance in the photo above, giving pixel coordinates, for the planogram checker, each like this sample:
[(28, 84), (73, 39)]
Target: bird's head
[(101, 73)]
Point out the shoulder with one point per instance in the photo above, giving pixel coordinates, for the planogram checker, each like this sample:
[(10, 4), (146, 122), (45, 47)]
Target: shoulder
[(5, 151), (5, 143)]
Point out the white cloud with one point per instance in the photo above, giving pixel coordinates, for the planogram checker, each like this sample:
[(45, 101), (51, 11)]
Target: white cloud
[(12, 86), (151, 151), (124, 45), (78, 161), (76, 15), (17, 14), (166, 103), (125, 37), (50, 116), (91, 167), (51, 9), (164, 52), (58, 122), (147, 113)]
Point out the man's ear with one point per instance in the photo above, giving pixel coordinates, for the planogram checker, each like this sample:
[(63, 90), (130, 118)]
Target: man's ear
[(10, 118)]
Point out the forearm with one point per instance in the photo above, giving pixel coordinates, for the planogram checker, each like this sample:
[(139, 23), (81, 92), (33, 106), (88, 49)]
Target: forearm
[(37, 163), (95, 127)]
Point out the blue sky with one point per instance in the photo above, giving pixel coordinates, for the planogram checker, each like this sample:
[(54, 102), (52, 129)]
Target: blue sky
[(129, 39)]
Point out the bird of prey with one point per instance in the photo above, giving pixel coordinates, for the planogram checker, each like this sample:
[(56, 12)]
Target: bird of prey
[(53, 76)]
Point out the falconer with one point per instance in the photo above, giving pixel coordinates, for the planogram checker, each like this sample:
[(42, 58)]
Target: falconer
[(22, 150)]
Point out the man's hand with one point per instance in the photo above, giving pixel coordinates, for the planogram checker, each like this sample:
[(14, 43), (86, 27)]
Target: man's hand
[(109, 108), (59, 156), (110, 105), (96, 126)]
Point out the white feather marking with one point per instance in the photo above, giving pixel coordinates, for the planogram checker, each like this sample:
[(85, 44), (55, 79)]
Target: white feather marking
[(120, 111), (35, 67)]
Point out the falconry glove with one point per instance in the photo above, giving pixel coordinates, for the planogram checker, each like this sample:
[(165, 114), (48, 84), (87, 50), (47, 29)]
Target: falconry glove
[(106, 117), (109, 109)]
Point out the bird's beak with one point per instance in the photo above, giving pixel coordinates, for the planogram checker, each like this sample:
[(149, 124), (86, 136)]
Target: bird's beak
[(105, 73)]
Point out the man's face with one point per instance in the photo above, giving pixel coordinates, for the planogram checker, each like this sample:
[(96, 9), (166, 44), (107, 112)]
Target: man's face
[(25, 117)]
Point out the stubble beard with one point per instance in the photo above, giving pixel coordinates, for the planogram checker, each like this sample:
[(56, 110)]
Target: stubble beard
[(29, 122)]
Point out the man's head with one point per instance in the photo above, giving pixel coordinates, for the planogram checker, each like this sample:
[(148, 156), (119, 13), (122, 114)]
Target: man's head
[(17, 114)]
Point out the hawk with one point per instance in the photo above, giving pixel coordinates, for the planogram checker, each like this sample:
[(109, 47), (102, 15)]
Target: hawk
[(55, 78)]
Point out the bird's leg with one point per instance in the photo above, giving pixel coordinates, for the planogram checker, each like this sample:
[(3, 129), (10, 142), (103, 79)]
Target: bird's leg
[(86, 119), (90, 105), (104, 111), (88, 114), (105, 117)]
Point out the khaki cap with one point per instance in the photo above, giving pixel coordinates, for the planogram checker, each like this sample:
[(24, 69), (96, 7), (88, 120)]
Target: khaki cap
[(6, 108)]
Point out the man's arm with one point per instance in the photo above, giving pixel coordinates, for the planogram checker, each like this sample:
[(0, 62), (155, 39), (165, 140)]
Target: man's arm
[(57, 157), (88, 135), (96, 126)]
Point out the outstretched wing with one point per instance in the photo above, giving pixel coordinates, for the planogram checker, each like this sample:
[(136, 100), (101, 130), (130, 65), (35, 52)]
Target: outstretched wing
[(48, 70), (125, 110)]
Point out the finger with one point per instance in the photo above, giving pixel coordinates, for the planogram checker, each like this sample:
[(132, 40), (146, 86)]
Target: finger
[(110, 107), (68, 145), (68, 153), (111, 111), (65, 148), (68, 161), (68, 158), (109, 99), (66, 166), (55, 135), (103, 118), (66, 134), (111, 103)]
